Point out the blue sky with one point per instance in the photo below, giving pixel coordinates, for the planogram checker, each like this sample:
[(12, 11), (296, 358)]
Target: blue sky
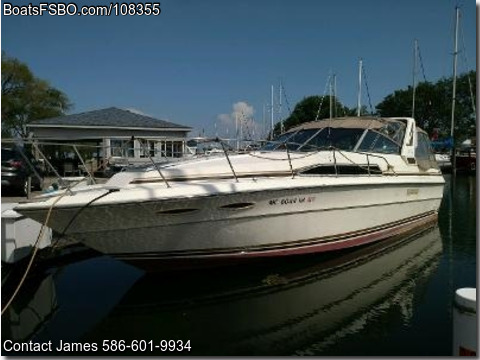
[(198, 58)]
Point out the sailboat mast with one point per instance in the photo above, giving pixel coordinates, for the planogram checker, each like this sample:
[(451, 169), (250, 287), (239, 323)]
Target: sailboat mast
[(454, 92), (264, 119), (359, 99), (241, 129), (271, 112), (331, 98), (335, 93), (415, 56), (236, 130), (280, 108)]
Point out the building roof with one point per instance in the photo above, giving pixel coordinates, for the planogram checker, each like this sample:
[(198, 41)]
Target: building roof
[(111, 117)]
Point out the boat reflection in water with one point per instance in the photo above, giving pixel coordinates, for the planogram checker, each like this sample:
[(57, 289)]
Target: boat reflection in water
[(36, 306), (301, 306), (276, 310)]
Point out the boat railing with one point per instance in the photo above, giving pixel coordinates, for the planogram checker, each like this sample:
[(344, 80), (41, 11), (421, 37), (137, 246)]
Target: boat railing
[(224, 148), (368, 156), (49, 167), (67, 185), (285, 145), (142, 143)]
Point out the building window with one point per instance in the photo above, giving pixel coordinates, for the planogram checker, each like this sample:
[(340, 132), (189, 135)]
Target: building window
[(122, 148), (147, 148)]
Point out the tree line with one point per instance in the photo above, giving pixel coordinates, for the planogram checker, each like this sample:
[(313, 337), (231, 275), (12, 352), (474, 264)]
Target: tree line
[(433, 106), (26, 98)]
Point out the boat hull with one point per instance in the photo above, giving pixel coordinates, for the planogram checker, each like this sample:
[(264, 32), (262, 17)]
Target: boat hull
[(153, 262), (223, 229)]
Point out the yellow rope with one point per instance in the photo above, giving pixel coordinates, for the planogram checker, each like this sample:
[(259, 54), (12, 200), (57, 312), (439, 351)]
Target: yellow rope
[(40, 236)]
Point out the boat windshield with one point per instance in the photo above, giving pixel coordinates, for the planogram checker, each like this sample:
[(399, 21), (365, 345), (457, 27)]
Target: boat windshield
[(386, 139)]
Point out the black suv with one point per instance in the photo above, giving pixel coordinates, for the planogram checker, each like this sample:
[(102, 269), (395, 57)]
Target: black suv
[(16, 170)]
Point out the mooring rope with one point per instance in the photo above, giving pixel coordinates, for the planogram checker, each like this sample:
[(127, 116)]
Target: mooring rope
[(34, 253), (40, 236)]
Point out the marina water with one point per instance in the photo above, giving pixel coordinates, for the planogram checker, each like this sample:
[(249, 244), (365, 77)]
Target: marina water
[(394, 298)]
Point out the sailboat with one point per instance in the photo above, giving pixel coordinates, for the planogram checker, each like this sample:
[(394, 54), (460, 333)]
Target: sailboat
[(465, 158), (440, 147)]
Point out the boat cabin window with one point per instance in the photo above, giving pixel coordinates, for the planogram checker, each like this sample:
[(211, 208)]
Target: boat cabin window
[(274, 144), (424, 153), (300, 138), (339, 138), (393, 130), (317, 139), (386, 139), (376, 142)]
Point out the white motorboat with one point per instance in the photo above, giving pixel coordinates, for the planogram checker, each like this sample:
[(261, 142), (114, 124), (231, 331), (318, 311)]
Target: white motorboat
[(322, 186), (444, 161)]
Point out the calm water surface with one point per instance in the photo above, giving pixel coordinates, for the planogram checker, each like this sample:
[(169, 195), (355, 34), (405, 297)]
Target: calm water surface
[(389, 299)]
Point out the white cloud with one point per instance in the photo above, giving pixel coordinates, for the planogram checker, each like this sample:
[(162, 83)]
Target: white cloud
[(241, 108), (241, 118)]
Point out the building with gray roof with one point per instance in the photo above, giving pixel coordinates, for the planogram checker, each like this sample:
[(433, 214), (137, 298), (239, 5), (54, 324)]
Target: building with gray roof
[(114, 133)]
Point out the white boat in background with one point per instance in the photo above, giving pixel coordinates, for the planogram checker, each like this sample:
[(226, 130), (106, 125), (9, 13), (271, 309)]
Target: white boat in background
[(322, 186), (444, 161)]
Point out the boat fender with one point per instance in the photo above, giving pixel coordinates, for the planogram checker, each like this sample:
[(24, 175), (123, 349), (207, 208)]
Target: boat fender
[(464, 322)]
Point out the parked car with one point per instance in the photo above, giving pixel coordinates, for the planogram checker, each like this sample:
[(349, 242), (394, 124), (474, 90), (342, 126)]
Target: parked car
[(16, 170)]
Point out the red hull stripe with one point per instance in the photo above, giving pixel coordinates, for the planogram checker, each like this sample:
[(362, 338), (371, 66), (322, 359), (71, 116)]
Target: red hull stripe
[(321, 245)]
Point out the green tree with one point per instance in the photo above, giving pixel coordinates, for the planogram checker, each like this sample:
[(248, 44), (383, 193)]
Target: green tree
[(308, 108), (433, 105), (26, 98)]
